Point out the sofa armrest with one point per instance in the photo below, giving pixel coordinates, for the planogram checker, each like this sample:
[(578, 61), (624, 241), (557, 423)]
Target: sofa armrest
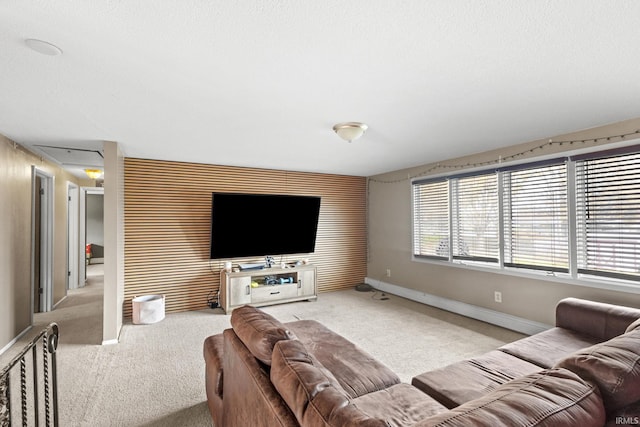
[(213, 375), (213, 351), (597, 319), (250, 399)]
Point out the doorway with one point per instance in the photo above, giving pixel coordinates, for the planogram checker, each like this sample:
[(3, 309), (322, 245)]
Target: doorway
[(42, 241)]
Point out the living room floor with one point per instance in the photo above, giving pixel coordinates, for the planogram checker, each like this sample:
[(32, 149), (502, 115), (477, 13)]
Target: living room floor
[(155, 375)]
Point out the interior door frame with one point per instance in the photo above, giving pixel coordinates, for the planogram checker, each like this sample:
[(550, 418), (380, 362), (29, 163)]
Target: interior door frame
[(82, 263), (73, 228), (46, 237)]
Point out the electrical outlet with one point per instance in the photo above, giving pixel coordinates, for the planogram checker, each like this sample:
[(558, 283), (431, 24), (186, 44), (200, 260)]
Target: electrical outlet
[(388, 272), (497, 296)]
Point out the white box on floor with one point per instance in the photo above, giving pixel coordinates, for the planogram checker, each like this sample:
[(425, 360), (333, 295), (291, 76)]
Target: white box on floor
[(148, 309)]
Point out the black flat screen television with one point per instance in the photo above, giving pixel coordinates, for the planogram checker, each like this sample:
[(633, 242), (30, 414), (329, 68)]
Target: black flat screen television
[(246, 225)]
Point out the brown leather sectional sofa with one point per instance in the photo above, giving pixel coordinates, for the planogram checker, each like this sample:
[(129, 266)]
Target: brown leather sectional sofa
[(583, 372)]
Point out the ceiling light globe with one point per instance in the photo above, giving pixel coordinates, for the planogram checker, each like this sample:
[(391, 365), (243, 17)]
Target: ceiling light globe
[(350, 131), (93, 173), (43, 47)]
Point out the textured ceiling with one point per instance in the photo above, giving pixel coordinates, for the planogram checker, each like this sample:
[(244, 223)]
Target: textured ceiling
[(261, 83)]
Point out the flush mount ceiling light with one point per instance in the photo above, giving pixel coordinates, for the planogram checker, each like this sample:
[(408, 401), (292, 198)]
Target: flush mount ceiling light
[(93, 173), (43, 47), (350, 131)]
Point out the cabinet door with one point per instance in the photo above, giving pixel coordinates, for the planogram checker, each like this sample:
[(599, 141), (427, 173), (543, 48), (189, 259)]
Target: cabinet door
[(239, 291), (307, 283)]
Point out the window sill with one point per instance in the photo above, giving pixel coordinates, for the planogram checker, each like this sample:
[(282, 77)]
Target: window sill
[(608, 284)]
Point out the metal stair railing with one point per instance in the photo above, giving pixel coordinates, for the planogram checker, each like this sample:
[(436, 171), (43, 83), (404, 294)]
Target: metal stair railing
[(49, 338)]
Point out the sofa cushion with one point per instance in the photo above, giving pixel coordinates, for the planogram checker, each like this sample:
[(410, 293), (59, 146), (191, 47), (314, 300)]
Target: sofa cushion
[(614, 366), (550, 398), (317, 399), (258, 331), (357, 371), (546, 348), (311, 391), (398, 405), (469, 379), (634, 325)]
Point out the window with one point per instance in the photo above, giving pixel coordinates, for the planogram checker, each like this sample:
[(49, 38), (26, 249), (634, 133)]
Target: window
[(533, 217), (431, 219), (536, 218), (608, 216), (475, 218)]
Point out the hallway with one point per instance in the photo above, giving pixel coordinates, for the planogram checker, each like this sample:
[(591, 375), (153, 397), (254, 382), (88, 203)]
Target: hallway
[(79, 315)]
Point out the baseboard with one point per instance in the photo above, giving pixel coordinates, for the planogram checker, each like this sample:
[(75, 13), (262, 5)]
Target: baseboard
[(15, 340), (58, 303), (109, 342), (504, 320)]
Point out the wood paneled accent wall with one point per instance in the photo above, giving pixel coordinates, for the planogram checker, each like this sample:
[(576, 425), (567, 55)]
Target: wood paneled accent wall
[(167, 226)]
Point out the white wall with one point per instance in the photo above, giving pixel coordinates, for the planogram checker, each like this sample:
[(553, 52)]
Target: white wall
[(114, 242)]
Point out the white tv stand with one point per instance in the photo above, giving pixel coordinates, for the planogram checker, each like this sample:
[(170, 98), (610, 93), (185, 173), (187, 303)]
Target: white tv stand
[(239, 288)]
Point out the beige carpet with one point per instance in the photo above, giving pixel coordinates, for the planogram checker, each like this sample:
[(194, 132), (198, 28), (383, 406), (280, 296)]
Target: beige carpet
[(155, 375)]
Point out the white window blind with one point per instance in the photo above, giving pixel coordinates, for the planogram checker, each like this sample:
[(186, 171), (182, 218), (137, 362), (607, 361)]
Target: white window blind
[(474, 201), (536, 218), (431, 219), (608, 216)]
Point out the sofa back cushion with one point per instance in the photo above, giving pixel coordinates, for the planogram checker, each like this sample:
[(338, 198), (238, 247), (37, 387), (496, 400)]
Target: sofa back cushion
[(549, 398), (614, 366), (258, 331), (311, 391)]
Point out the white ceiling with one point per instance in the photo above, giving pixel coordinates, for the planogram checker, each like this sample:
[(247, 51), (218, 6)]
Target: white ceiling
[(261, 83)]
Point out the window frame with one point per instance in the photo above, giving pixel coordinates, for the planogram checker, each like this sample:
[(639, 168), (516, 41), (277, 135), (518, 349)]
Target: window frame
[(454, 188), (415, 237), (507, 174), (614, 159)]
